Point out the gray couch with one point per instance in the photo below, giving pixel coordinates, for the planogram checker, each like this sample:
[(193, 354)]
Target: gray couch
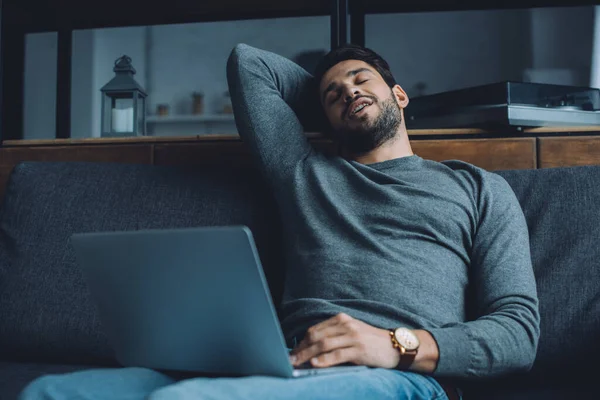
[(48, 323)]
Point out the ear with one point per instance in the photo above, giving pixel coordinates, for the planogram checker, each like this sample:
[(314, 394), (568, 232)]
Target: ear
[(400, 95)]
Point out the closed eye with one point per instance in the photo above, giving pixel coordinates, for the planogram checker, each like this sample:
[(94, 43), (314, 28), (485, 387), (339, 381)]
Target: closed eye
[(336, 97)]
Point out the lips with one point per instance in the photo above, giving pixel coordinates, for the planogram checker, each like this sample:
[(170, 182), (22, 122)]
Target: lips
[(359, 104), (359, 109)]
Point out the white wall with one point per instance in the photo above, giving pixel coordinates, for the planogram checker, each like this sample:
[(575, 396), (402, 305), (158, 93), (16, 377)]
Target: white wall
[(39, 108), (451, 50), (82, 92), (595, 69), (561, 44), (192, 57)]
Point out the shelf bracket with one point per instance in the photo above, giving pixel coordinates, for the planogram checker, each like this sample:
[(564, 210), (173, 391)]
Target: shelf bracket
[(339, 23)]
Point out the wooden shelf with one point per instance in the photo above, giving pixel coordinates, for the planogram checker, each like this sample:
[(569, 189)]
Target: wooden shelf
[(174, 119), (123, 140), (413, 133)]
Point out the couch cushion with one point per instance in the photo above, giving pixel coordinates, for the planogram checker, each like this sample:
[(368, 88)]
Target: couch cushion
[(46, 313), (562, 209)]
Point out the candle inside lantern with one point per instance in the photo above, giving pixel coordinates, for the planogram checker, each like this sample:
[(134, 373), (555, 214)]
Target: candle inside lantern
[(122, 115), (122, 119)]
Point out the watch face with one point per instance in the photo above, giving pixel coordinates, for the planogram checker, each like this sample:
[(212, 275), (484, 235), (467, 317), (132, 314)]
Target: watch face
[(406, 338)]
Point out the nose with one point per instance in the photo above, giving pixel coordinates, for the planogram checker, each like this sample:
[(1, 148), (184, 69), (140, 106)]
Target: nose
[(350, 92)]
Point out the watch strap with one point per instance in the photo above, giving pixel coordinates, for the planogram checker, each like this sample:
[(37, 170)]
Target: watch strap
[(407, 359)]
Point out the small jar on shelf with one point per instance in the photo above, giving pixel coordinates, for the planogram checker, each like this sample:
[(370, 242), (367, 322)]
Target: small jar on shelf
[(162, 110), (197, 103), (227, 107)]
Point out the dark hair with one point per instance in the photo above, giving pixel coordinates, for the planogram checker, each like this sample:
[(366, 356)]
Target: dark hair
[(355, 52)]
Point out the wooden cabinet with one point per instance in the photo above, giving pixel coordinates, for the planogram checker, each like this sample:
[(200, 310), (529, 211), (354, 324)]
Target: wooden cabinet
[(490, 154), (568, 151)]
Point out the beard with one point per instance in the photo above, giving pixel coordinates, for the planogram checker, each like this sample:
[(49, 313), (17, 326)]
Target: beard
[(372, 134)]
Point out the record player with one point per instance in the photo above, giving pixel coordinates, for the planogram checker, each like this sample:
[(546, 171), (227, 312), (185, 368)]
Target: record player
[(506, 104)]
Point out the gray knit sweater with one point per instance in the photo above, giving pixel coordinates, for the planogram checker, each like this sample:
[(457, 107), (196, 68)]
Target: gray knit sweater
[(405, 242)]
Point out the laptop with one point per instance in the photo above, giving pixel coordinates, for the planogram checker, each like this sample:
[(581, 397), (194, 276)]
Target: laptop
[(188, 300)]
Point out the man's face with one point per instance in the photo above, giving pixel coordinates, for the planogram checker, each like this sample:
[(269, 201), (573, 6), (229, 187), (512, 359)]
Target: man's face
[(361, 108)]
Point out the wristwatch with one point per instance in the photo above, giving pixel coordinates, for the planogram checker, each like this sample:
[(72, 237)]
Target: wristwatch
[(407, 344)]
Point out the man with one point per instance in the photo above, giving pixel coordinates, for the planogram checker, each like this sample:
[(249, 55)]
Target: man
[(418, 269)]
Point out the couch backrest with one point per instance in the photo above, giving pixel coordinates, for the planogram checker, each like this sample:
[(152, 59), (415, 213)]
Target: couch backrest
[(46, 313), (562, 208)]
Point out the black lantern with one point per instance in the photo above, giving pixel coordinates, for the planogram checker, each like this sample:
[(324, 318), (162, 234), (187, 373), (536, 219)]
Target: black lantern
[(123, 103)]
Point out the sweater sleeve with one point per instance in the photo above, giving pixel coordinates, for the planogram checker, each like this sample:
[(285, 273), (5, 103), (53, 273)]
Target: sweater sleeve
[(504, 334), (270, 95)]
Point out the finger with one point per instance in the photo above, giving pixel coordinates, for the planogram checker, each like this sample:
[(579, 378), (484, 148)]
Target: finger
[(313, 337), (325, 345), (318, 331), (335, 320), (335, 357)]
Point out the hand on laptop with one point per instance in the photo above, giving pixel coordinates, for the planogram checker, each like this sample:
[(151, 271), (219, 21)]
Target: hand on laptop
[(343, 339)]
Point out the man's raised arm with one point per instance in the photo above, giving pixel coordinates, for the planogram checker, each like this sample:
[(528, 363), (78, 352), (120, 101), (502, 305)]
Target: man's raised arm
[(268, 93)]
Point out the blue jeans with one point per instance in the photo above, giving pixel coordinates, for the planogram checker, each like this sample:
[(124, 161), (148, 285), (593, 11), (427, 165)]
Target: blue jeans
[(142, 384)]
